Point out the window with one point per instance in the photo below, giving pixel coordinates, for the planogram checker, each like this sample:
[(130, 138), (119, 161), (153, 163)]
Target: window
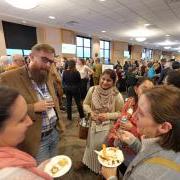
[(105, 50), (147, 54), (23, 52), (83, 49)]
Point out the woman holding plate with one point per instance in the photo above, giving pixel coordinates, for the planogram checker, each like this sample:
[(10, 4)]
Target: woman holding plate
[(14, 123), (158, 155), (104, 103)]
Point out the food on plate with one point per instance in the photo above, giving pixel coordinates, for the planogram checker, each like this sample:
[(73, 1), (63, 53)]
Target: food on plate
[(63, 162), (54, 169), (104, 150), (110, 156), (58, 166)]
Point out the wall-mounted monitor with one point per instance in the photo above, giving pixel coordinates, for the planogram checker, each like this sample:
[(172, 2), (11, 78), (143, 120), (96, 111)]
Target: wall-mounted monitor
[(126, 54), (68, 48), (19, 36)]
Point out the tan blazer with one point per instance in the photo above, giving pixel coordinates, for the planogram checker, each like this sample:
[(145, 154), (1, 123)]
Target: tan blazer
[(19, 80)]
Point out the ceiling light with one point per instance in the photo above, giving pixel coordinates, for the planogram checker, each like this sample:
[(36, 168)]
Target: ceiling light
[(168, 43), (167, 47), (103, 31), (24, 22), (141, 32), (102, 0), (140, 39), (51, 17), (24, 4), (167, 35), (146, 25)]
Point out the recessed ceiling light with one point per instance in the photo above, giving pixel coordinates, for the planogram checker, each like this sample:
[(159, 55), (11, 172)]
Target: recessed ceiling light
[(23, 4), (102, 0), (168, 43), (51, 17), (141, 32), (140, 39), (146, 25), (103, 31), (24, 22), (167, 47), (167, 35)]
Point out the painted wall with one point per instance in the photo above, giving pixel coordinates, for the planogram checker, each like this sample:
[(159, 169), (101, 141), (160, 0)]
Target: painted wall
[(2, 41), (50, 36), (136, 52), (157, 54), (117, 51)]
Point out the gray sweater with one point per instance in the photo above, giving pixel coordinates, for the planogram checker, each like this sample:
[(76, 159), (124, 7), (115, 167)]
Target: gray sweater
[(141, 170)]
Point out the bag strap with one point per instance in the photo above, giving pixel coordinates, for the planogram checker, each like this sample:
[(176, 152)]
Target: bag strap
[(164, 162)]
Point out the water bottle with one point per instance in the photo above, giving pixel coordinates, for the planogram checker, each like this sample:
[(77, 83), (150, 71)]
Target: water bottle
[(124, 119)]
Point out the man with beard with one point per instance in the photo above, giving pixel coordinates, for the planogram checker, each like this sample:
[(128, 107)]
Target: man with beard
[(36, 83)]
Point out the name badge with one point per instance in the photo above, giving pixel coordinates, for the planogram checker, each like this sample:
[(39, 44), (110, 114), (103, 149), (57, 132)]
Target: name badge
[(51, 113), (104, 126)]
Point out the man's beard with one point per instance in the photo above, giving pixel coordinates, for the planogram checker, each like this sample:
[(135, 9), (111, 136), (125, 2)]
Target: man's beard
[(39, 76)]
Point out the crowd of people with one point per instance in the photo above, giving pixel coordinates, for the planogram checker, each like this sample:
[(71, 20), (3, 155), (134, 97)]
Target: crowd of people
[(145, 125)]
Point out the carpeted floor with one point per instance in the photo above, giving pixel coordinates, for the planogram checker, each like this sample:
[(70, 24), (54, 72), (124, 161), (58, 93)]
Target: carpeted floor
[(72, 146)]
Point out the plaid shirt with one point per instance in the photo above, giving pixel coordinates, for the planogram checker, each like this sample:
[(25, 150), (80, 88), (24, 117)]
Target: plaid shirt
[(48, 122)]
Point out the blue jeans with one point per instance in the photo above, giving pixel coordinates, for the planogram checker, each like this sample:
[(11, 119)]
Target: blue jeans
[(48, 146)]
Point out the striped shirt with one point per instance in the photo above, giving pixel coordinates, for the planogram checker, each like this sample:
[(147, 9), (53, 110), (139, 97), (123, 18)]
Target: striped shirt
[(49, 117)]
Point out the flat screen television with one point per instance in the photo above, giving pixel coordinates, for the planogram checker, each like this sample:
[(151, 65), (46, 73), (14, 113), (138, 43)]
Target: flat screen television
[(68, 48), (19, 36), (126, 54)]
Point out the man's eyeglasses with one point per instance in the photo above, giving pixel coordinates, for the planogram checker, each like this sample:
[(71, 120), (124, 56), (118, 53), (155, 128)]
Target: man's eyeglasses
[(45, 60)]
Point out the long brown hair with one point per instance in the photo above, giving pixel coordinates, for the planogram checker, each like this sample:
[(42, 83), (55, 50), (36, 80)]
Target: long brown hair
[(165, 107)]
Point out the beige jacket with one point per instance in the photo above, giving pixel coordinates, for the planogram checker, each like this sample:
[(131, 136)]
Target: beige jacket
[(19, 80)]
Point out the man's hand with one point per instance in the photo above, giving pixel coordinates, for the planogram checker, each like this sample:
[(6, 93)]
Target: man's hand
[(43, 105), (108, 172)]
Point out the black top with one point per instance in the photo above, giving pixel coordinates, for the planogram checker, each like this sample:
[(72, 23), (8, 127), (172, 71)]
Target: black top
[(71, 78)]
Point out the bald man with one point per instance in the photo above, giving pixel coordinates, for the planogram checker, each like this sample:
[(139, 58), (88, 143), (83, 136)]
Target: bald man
[(17, 61)]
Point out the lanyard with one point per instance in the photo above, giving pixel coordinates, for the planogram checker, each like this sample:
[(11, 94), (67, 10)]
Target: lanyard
[(35, 86)]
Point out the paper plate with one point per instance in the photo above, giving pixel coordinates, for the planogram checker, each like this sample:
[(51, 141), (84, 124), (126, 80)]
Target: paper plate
[(116, 159), (58, 166)]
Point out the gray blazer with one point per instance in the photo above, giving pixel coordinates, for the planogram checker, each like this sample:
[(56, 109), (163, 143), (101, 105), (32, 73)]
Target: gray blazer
[(140, 170)]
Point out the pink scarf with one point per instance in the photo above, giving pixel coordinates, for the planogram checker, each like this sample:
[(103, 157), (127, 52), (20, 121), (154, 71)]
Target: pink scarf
[(12, 157)]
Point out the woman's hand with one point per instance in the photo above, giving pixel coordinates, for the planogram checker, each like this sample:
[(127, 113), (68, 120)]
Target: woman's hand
[(94, 116), (108, 172), (43, 164), (102, 117), (126, 126)]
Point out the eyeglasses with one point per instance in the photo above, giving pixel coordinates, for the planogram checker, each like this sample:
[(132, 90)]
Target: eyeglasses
[(46, 60)]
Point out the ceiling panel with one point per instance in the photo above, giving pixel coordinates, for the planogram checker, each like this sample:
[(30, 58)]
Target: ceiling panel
[(115, 16)]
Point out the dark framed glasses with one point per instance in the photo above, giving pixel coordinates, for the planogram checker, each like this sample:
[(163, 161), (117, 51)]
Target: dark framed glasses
[(46, 60)]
